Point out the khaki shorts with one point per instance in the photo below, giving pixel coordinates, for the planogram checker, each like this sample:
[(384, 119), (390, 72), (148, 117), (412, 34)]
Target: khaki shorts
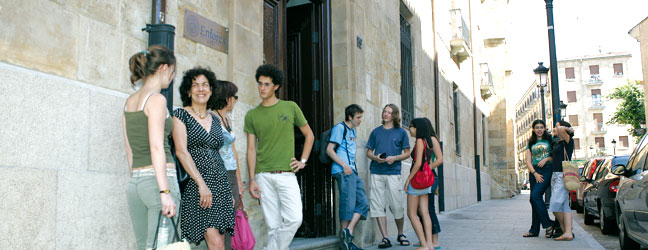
[(386, 191)]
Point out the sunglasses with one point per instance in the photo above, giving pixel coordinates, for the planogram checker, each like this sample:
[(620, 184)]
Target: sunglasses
[(235, 97)]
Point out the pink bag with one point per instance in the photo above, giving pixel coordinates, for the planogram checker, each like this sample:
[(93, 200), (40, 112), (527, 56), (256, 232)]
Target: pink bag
[(243, 237)]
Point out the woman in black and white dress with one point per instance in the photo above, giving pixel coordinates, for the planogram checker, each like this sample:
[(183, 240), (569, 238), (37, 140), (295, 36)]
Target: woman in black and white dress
[(207, 209)]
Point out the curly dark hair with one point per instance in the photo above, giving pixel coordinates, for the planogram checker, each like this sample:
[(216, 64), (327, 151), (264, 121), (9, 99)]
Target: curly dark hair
[(271, 71), (187, 79), (226, 89)]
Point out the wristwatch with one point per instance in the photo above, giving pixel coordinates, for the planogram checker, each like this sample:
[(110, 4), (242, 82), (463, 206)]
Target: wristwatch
[(166, 191), (303, 161)]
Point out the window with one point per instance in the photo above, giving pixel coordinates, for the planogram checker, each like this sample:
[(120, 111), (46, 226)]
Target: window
[(569, 73), (596, 97), (484, 137), (573, 120), (600, 142), (594, 70), (407, 76), (598, 117), (571, 96), (576, 143), (455, 100), (623, 140), (618, 69)]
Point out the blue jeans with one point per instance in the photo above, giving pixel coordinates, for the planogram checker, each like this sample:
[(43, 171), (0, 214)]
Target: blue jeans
[(353, 198), (436, 227), (539, 212)]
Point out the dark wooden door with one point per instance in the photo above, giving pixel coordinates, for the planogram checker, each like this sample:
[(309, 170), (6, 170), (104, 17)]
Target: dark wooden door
[(297, 39), (308, 77)]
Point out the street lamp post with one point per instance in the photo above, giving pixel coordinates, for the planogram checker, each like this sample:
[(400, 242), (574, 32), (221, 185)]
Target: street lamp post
[(562, 110), (555, 93), (614, 146), (541, 79)]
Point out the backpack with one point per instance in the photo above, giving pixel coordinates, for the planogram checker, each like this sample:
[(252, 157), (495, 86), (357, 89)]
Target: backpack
[(326, 136)]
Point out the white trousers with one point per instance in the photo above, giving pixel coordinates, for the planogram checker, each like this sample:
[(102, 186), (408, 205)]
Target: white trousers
[(282, 207)]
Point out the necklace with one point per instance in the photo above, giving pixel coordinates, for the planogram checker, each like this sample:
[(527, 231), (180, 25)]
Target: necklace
[(225, 121), (199, 114)]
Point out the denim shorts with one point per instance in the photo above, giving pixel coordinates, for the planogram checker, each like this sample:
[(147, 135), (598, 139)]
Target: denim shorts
[(417, 192), (559, 194), (353, 198)]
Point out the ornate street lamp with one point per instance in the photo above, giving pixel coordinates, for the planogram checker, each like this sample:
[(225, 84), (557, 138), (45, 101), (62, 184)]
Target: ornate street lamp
[(614, 145), (541, 79), (563, 110)]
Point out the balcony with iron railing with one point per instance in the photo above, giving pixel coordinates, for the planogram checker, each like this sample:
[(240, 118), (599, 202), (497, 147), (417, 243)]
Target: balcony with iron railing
[(460, 44), (597, 104), (594, 80), (598, 128), (486, 87)]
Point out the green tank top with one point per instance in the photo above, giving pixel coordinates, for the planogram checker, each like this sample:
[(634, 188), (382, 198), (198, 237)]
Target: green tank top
[(138, 137)]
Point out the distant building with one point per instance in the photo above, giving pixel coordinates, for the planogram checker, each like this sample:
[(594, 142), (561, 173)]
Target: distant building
[(584, 84), (640, 32)]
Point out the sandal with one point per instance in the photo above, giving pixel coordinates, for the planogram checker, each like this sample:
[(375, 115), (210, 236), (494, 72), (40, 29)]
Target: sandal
[(549, 232), (417, 244), (385, 243), (529, 234), (402, 239)]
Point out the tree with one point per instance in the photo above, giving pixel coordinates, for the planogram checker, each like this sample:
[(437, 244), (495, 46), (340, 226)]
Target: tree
[(631, 111)]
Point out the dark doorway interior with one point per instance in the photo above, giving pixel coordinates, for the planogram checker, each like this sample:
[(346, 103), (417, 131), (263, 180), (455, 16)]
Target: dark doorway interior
[(308, 77), (296, 37)]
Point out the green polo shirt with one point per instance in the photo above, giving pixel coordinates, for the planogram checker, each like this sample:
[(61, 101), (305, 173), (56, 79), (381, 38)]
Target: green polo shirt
[(274, 128)]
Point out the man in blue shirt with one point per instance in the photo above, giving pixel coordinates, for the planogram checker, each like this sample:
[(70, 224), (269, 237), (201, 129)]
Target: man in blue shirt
[(354, 205), (388, 145)]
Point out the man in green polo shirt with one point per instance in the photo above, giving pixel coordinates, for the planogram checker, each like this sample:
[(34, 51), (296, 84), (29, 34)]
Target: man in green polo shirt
[(271, 157)]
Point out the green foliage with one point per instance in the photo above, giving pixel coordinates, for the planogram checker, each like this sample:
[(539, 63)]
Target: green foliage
[(631, 111)]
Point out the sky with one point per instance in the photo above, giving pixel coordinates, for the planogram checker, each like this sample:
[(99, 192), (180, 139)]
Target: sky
[(582, 27)]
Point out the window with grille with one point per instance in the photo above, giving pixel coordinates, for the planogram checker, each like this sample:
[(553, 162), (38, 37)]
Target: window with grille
[(571, 96), (600, 142), (573, 120), (596, 97), (594, 69), (407, 75), (618, 69), (623, 140), (455, 100), (569, 73)]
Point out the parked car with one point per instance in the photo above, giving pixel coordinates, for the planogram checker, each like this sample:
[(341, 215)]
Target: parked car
[(632, 199), (599, 194), (588, 171)]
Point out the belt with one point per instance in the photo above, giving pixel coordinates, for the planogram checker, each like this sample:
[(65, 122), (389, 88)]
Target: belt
[(278, 172), (151, 172)]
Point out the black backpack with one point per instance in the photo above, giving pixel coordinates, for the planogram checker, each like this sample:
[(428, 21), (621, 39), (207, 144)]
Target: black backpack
[(326, 136)]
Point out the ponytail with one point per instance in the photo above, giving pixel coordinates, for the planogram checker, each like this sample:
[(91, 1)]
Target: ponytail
[(145, 63)]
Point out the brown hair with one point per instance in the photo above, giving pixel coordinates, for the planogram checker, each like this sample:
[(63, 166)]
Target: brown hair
[(395, 114), (226, 89), (146, 62)]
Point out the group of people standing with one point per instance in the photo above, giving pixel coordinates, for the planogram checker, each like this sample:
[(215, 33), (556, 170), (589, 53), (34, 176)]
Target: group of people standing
[(202, 134), (544, 157), (387, 146)]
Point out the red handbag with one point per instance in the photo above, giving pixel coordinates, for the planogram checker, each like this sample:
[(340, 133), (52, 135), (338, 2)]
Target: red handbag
[(424, 178)]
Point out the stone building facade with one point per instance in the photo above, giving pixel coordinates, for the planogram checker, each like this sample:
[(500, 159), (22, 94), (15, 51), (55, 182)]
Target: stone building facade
[(640, 32), (63, 65), (585, 83)]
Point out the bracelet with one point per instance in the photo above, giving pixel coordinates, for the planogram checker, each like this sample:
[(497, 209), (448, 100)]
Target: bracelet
[(166, 191), (534, 172), (251, 180)]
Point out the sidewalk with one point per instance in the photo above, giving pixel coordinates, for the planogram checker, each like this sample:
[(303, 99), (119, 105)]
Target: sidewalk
[(497, 224)]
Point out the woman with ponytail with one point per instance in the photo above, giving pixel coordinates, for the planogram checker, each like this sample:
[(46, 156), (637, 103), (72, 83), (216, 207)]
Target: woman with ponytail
[(147, 124)]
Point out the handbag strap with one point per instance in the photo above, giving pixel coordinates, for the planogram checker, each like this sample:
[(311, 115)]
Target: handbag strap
[(565, 151), (240, 203), (176, 237)]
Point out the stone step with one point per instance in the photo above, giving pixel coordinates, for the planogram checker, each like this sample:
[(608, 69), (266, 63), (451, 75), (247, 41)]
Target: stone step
[(322, 243)]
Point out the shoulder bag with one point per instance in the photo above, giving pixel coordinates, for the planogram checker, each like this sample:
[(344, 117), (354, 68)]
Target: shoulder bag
[(177, 244), (243, 238), (424, 178), (570, 172)]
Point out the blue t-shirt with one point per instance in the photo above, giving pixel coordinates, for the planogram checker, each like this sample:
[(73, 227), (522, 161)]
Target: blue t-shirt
[(346, 149), (390, 141)]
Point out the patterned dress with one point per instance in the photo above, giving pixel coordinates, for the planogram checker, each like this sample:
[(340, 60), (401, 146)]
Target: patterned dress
[(203, 148)]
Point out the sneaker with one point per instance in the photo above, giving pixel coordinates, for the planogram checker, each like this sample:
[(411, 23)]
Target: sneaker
[(344, 239), (354, 247)]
